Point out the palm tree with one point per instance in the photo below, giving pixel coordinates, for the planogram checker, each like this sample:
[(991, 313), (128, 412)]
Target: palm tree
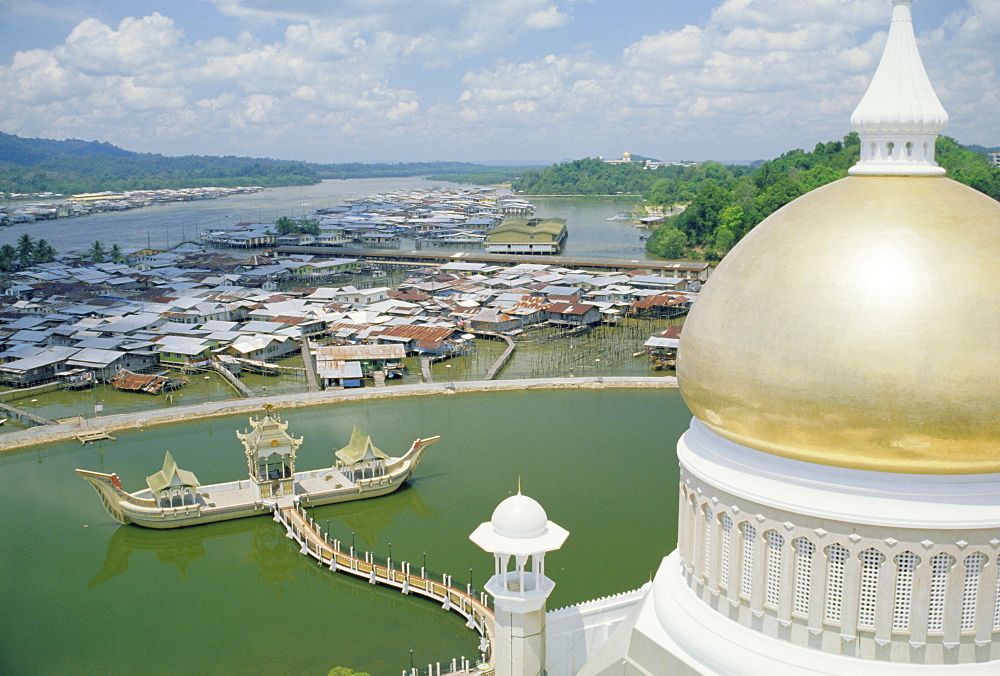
[(97, 252), (44, 252), (25, 250), (115, 254), (8, 257)]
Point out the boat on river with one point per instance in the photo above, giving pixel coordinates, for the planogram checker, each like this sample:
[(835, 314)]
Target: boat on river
[(175, 498)]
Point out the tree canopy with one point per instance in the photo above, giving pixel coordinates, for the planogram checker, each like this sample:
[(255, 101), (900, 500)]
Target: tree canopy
[(97, 252), (724, 203), (27, 253), (289, 226), (74, 166), (589, 176)]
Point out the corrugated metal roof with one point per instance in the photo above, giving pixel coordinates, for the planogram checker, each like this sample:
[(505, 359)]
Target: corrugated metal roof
[(334, 368), (94, 357), (136, 382), (411, 332), (348, 352), (570, 308), (48, 357), (660, 300), (656, 341)]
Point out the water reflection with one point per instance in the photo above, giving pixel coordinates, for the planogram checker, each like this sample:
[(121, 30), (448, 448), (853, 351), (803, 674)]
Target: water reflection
[(367, 519), (178, 548), (274, 555), (275, 558)]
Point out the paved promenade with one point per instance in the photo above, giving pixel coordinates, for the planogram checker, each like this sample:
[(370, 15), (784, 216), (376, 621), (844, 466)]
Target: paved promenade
[(113, 423)]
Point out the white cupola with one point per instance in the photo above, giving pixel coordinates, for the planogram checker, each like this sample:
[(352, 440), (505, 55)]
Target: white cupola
[(519, 532), (899, 117)]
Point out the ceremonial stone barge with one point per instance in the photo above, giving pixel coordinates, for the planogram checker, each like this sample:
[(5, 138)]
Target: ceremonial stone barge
[(175, 498)]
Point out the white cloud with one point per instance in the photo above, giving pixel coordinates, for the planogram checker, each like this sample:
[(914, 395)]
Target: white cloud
[(549, 17), (145, 72), (766, 74), (346, 80), (436, 31), (781, 15), (743, 73), (99, 50)]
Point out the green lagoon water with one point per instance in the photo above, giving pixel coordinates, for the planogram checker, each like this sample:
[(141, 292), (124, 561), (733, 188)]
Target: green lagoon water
[(81, 594)]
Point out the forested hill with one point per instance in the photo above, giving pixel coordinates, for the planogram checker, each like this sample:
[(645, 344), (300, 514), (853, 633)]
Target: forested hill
[(29, 152), (983, 150), (72, 166), (591, 176), (37, 165), (724, 203)]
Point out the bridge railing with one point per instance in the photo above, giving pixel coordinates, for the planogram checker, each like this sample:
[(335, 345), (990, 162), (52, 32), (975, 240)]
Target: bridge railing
[(459, 666), (470, 603)]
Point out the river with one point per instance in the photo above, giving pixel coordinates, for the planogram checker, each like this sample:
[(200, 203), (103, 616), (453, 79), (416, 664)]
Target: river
[(84, 595), (164, 226)]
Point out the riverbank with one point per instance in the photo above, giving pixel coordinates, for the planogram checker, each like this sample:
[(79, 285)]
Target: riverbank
[(128, 421), (76, 206), (618, 195)]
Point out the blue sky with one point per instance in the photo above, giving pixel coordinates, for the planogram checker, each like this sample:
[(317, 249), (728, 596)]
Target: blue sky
[(475, 80)]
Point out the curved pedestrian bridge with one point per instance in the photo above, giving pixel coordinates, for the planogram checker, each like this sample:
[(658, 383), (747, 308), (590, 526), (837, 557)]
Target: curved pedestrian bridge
[(472, 606)]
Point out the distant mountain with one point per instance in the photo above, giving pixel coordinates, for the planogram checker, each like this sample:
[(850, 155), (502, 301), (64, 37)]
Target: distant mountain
[(28, 152), (29, 165), (982, 150)]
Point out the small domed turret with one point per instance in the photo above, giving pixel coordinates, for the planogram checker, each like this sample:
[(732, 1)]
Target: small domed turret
[(519, 517)]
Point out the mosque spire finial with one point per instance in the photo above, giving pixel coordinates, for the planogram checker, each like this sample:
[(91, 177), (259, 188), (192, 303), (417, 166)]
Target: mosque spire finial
[(900, 116)]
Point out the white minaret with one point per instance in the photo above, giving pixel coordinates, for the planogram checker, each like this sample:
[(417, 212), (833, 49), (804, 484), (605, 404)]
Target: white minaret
[(899, 117), (519, 530)]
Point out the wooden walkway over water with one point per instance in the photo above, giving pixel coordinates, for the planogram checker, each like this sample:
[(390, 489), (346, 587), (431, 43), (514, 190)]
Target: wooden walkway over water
[(474, 608), (233, 381), (307, 360), (23, 416), (687, 269), (97, 435), (427, 361), (504, 358)]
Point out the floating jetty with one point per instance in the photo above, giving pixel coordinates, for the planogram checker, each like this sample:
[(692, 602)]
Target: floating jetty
[(175, 498), (84, 437)]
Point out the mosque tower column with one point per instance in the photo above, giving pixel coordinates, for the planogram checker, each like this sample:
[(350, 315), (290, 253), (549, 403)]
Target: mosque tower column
[(519, 532)]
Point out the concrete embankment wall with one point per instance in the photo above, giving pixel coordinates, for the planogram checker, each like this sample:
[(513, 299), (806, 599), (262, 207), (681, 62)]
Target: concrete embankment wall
[(127, 421)]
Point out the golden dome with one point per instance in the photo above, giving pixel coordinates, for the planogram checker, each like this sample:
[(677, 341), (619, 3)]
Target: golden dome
[(859, 327)]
